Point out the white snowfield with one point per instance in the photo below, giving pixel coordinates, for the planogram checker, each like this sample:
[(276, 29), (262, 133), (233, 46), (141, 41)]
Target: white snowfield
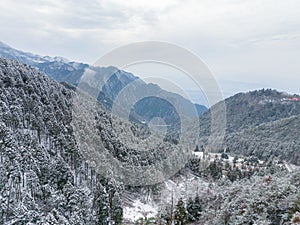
[(146, 205), (140, 210)]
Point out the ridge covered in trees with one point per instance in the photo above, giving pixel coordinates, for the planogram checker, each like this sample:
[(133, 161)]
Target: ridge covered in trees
[(44, 178), (262, 123)]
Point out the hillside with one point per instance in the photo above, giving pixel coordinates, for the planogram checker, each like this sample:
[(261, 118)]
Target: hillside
[(275, 139), (246, 110), (111, 80), (262, 123), (45, 177)]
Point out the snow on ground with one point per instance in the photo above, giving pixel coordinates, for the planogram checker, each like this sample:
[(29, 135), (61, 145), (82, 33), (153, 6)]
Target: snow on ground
[(183, 186), (291, 167), (143, 204), (140, 210), (199, 154)]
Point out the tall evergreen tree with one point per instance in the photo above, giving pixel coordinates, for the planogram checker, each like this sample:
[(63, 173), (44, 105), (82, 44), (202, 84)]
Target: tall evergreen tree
[(180, 214)]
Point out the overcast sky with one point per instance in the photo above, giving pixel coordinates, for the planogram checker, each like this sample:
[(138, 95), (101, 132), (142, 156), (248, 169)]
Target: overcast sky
[(255, 41)]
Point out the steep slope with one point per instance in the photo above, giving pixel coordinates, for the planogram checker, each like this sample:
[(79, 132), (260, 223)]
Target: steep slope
[(246, 110), (38, 175), (275, 139), (46, 176), (261, 123), (111, 79)]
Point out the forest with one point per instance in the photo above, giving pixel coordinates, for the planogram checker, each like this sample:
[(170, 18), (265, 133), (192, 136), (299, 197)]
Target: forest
[(46, 177)]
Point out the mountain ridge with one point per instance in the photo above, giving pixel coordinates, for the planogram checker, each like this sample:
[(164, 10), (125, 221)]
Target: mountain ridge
[(278, 138), (63, 70), (45, 180), (43, 164), (261, 123)]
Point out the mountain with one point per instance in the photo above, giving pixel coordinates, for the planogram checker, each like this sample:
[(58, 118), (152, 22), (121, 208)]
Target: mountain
[(250, 109), (44, 178), (279, 139), (26, 57), (256, 107), (49, 174), (112, 81), (261, 123)]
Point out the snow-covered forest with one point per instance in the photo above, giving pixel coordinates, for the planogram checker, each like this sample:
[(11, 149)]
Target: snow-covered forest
[(44, 179), (47, 178)]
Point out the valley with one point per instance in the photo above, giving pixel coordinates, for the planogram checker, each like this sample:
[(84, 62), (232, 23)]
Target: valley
[(58, 148)]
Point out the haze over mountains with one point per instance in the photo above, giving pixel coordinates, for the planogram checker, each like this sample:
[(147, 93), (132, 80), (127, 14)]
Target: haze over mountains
[(46, 178), (244, 111), (62, 70)]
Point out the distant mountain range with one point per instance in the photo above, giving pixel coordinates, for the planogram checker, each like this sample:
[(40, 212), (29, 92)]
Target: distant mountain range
[(246, 113), (145, 109), (46, 178)]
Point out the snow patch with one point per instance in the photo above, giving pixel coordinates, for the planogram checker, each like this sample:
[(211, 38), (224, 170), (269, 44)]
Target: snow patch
[(140, 210)]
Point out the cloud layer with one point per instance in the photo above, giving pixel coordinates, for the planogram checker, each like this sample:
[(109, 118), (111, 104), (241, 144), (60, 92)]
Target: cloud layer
[(240, 40)]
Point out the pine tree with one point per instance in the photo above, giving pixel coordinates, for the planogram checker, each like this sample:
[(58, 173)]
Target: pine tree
[(180, 214), (194, 209), (197, 208), (190, 209), (103, 210)]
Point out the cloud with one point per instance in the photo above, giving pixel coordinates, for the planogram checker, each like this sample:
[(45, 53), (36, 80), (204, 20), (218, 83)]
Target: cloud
[(239, 39), (132, 20)]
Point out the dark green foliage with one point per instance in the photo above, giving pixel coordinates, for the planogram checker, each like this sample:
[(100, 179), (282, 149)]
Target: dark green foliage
[(195, 165), (224, 156), (234, 174), (215, 169), (180, 214), (194, 209), (103, 208)]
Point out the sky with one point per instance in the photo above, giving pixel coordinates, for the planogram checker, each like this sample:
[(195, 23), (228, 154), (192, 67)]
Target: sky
[(245, 43)]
